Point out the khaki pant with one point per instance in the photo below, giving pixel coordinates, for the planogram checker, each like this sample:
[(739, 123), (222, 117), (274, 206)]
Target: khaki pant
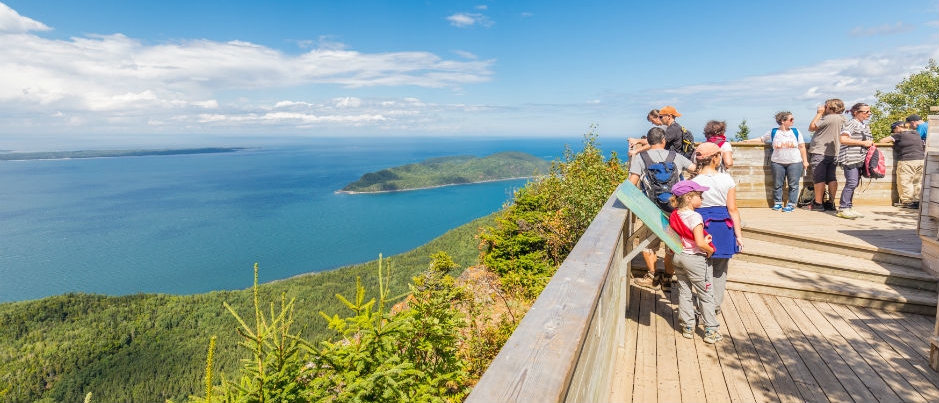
[(909, 180)]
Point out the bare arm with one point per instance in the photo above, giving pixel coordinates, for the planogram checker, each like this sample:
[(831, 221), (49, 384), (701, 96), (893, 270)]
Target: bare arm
[(818, 115), (805, 158), (728, 157), (701, 240)]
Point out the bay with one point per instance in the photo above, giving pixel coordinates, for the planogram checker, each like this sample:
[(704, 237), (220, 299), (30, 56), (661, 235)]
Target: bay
[(186, 224)]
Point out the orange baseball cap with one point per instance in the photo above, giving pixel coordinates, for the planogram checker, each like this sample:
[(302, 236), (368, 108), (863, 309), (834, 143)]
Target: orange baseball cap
[(669, 110)]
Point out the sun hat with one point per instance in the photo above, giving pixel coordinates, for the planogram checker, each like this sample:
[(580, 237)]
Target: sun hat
[(685, 186), (893, 126), (705, 150), (669, 110), (913, 118)]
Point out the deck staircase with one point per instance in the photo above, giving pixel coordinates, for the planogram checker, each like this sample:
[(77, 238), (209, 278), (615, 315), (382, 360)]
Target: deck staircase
[(824, 270)]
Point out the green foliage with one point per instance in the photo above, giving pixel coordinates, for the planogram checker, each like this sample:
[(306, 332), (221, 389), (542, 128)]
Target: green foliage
[(743, 131), (141, 348), (451, 170), (534, 234), (914, 94)]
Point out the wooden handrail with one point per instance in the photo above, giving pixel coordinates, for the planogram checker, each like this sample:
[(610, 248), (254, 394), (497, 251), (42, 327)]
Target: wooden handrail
[(564, 348)]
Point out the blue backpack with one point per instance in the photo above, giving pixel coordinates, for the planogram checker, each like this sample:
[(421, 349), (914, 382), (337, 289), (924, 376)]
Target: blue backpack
[(657, 179)]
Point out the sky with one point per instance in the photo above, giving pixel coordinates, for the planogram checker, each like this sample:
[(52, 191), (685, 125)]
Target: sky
[(111, 72)]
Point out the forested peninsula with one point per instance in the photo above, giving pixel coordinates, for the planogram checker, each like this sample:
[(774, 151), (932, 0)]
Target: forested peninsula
[(58, 155), (453, 170)]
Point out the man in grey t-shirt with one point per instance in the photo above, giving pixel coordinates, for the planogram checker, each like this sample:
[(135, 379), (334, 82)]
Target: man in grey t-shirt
[(637, 168), (823, 151)]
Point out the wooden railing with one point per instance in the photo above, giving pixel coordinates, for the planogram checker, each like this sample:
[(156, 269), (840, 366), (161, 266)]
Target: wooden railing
[(564, 348)]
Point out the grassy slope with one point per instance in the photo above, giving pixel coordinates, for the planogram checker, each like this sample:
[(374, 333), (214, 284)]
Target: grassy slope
[(151, 347)]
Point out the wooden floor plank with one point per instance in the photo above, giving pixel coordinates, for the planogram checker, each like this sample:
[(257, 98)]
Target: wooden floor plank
[(843, 373), (644, 386), (819, 370), (802, 378), (626, 370), (901, 375), (691, 370), (745, 355), (869, 379), (893, 369), (895, 324), (883, 332), (666, 357), (786, 390)]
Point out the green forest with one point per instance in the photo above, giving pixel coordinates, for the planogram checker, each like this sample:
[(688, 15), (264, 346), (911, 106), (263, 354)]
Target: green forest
[(451, 171), (149, 347)]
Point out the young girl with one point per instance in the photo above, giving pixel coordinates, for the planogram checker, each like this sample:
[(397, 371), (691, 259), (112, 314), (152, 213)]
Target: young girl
[(692, 265)]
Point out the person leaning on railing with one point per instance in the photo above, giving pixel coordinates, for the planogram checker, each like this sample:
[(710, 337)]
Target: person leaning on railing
[(910, 153)]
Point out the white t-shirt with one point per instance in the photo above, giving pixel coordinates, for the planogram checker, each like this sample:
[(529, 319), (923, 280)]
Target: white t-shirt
[(785, 146), (719, 183), (691, 219)]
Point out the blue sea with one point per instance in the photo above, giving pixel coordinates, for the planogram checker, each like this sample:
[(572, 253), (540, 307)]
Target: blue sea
[(184, 224)]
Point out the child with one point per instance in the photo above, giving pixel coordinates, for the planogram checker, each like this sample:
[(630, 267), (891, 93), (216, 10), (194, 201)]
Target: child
[(692, 265)]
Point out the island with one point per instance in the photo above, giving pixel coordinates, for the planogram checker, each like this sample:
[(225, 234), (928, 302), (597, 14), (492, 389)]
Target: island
[(57, 155), (455, 170)]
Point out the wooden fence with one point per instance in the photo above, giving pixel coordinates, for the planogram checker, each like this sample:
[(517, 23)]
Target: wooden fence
[(563, 350)]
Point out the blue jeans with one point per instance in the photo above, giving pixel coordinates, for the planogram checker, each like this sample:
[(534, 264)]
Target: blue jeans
[(852, 177), (791, 173)]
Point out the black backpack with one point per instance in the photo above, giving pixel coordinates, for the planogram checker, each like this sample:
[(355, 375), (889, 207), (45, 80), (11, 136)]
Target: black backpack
[(657, 179), (686, 146)]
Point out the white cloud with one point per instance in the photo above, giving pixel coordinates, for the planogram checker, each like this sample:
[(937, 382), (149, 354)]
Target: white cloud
[(464, 20), (886, 29), (12, 22)]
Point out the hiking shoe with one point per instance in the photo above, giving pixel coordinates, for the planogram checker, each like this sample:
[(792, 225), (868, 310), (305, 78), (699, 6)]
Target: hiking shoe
[(687, 332), (848, 214), (912, 205), (666, 283), (830, 206), (657, 280), (647, 281), (789, 207), (712, 335), (777, 207)]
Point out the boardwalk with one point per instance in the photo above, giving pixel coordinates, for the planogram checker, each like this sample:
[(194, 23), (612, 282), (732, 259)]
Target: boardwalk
[(784, 349)]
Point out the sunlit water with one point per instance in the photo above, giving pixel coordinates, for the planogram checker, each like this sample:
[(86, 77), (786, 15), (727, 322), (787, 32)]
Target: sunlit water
[(194, 223)]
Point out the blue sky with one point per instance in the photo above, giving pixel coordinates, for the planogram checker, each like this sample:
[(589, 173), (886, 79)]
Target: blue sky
[(172, 72)]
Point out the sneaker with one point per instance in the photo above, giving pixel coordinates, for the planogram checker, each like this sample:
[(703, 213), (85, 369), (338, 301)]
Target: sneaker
[(712, 335), (830, 206), (847, 213), (647, 281), (912, 205), (666, 283), (777, 207), (789, 208), (687, 332)]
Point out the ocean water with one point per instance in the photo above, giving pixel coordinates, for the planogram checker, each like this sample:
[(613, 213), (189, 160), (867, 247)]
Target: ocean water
[(194, 223)]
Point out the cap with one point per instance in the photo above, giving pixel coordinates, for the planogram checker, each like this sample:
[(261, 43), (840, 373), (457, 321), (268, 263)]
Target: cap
[(669, 110), (685, 186), (913, 118), (706, 150), (893, 126)]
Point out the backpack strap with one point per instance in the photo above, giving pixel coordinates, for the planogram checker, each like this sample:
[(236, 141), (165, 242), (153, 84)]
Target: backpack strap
[(671, 156), (772, 134), (796, 131), (645, 158)]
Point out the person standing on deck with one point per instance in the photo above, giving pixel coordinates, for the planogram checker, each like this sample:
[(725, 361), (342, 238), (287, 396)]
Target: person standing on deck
[(910, 155), (637, 169), (856, 138), (823, 151), (719, 210)]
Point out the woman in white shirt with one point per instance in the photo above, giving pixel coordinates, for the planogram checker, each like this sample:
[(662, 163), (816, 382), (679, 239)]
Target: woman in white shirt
[(789, 160)]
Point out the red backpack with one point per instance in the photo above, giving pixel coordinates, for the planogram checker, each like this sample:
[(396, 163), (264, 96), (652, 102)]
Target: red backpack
[(874, 165)]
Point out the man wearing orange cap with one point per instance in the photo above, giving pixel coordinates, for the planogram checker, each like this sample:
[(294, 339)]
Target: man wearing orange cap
[(675, 134)]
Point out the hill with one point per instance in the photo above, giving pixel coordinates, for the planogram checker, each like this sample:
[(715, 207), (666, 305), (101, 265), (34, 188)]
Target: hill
[(455, 170), (151, 347)]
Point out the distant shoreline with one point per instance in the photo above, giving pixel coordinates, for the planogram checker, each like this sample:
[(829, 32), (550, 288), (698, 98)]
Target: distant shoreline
[(431, 187), (63, 155)]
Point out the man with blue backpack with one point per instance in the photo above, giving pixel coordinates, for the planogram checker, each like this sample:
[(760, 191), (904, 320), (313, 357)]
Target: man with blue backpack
[(789, 160), (654, 171)]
